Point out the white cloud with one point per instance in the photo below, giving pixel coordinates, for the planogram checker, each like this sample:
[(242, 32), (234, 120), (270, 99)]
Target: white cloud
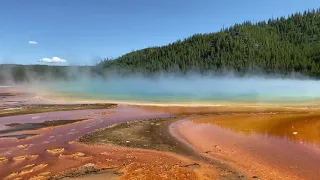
[(33, 42), (53, 60)]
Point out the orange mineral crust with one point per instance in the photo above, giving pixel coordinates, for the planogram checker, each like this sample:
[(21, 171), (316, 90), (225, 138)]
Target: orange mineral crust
[(239, 141), (126, 163), (51, 149), (267, 146)]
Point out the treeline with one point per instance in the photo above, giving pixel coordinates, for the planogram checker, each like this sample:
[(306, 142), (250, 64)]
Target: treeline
[(29, 73), (282, 45), (277, 46)]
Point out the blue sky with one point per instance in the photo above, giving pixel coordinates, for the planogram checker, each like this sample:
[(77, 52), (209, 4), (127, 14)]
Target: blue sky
[(83, 31)]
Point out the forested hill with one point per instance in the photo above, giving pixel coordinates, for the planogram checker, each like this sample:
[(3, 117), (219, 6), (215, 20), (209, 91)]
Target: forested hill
[(282, 45), (26, 73)]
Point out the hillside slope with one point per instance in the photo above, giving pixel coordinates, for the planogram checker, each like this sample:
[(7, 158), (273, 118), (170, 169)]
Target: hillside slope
[(282, 45), (12, 73)]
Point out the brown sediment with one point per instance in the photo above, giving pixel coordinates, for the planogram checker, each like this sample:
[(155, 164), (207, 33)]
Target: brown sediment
[(74, 155), (12, 175), (154, 135), (22, 146), (123, 163), (38, 178), (127, 163), (260, 155), (55, 150), (46, 125), (71, 142), (45, 173), (19, 158), (88, 170), (105, 113), (20, 137), (8, 94), (61, 138), (3, 159), (24, 137), (40, 166), (150, 134), (27, 170), (41, 176), (41, 108), (224, 109), (33, 156), (28, 166), (60, 123), (24, 157)]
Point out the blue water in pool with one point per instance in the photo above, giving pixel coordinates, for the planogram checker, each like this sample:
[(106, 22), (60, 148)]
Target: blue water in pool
[(192, 89)]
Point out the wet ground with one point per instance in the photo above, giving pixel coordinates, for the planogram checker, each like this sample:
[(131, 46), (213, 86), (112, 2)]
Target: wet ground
[(39, 140), (41, 108), (42, 146), (16, 127), (150, 134), (57, 137), (154, 134), (268, 146), (303, 127)]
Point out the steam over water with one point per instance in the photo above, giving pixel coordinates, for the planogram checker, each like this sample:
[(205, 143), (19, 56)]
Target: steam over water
[(192, 89)]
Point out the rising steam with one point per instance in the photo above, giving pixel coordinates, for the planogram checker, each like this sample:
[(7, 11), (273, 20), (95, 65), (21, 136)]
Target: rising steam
[(172, 87)]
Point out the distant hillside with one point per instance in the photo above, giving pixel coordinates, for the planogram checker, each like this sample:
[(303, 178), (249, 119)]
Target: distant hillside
[(10, 73), (282, 45)]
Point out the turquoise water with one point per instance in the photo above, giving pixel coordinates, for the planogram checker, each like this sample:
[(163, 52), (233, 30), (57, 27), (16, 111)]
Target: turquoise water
[(192, 89)]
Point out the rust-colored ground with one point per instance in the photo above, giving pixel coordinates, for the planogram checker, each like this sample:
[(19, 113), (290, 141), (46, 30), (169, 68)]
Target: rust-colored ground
[(125, 163), (53, 154), (224, 109), (299, 126), (267, 146), (261, 141)]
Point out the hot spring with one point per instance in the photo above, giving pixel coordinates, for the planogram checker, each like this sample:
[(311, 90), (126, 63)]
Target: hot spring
[(190, 89)]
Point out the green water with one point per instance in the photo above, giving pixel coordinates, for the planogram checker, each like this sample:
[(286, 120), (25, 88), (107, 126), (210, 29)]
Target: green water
[(192, 90)]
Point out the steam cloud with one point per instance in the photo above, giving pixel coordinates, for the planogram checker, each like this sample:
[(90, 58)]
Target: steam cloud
[(172, 87), (194, 88)]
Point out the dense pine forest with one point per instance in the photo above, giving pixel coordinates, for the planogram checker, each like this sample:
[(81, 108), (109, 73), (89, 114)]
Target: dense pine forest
[(282, 46), (278, 46)]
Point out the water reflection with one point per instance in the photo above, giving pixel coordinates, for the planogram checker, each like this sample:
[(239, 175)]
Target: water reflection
[(300, 127)]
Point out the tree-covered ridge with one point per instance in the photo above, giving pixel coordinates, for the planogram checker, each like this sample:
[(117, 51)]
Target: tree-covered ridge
[(28, 73), (282, 45)]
